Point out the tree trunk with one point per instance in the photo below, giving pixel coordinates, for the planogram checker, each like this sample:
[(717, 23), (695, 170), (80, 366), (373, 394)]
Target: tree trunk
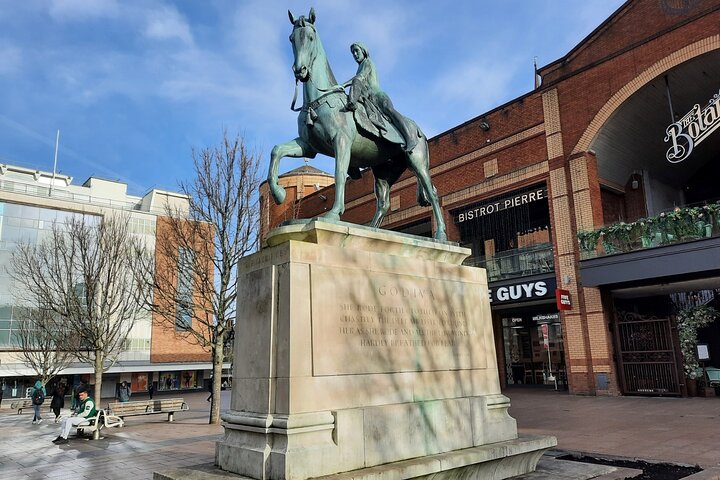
[(217, 383), (98, 378)]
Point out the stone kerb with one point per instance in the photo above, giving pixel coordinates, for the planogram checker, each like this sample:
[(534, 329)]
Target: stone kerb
[(359, 348)]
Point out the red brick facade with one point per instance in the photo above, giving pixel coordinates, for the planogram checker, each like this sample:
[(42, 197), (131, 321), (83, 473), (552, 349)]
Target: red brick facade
[(544, 137), (169, 345)]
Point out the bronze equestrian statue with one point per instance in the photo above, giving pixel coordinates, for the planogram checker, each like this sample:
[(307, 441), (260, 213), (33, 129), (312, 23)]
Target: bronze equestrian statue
[(361, 131)]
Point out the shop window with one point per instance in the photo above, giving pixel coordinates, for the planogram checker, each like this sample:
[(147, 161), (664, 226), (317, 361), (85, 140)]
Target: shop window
[(189, 379), (534, 349), (139, 382), (508, 235), (169, 381), (184, 314)]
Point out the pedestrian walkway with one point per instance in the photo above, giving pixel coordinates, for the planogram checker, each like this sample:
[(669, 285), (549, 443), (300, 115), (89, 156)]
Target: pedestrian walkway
[(146, 444), (664, 429), (676, 430)]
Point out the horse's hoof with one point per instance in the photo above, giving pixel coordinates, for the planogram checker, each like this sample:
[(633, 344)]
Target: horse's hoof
[(278, 194), (441, 235)]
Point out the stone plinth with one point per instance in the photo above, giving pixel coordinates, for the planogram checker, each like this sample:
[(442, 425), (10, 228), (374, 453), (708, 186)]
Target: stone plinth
[(357, 347)]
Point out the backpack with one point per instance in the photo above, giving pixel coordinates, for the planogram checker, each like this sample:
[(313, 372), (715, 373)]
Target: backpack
[(38, 397)]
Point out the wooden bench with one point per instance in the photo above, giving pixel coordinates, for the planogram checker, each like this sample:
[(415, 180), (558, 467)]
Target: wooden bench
[(20, 405), (96, 423), (148, 407)]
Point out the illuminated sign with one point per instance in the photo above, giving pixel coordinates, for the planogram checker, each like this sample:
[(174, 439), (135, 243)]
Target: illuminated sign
[(502, 204), (562, 298), (692, 129), (523, 291)]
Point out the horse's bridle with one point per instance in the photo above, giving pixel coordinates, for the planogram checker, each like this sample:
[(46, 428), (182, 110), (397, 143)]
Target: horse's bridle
[(310, 108)]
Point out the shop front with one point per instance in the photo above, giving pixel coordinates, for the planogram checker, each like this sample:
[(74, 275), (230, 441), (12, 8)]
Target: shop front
[(531, 350), (509, 235)]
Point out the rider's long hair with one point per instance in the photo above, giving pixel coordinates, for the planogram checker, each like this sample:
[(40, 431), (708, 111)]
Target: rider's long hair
[(362, 47)]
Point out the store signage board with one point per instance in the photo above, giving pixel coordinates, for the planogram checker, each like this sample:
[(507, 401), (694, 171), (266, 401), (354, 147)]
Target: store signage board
[(502, 204), (522, 291), (541, 318), (703, 352), (563, 299), (692, 129)]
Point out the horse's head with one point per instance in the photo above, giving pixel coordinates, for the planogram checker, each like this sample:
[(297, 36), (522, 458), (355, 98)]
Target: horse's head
[(304, 41)]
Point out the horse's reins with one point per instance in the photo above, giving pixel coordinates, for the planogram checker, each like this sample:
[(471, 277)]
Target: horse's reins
[(310, 108)]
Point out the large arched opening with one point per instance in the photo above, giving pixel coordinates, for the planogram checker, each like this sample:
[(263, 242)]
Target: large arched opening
[(657, 145)]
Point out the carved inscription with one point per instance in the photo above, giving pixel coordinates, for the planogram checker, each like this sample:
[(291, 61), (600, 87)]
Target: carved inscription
[(377, 326), (264, 258), (374, 322)]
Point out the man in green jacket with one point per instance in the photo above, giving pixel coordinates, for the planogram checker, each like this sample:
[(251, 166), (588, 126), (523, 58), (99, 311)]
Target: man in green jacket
[(84, 411)]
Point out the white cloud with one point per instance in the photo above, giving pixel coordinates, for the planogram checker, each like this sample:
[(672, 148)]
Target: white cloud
[(166, 23)]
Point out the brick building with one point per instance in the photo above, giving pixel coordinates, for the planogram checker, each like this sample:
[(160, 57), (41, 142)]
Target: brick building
[(298, 184), (31, 201), (619, 134)]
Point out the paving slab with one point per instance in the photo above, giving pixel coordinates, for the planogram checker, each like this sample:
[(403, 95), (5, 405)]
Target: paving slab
[(674, 430)]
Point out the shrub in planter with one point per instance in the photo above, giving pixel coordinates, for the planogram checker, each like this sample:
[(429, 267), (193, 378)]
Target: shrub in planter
[(689, 321), (588, 240)]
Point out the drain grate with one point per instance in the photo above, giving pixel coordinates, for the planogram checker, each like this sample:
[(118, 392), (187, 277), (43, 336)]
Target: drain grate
[(651, 471)]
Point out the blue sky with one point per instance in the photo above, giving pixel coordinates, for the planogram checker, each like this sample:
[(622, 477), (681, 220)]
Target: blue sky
[(134, 85)]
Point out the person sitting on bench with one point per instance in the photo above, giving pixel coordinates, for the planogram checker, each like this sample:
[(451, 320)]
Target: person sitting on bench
[(85, 411)]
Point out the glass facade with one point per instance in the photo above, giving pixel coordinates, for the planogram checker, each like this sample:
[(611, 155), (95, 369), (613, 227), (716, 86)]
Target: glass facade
[(21, 224), (169, 381), (31, 224), (184, 314), (534, 349), (509, 235)]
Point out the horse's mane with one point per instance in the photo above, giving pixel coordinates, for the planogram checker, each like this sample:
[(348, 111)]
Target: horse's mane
[(302, 22)]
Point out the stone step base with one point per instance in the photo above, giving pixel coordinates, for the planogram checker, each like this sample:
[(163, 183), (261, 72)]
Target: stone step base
[(494, 461)]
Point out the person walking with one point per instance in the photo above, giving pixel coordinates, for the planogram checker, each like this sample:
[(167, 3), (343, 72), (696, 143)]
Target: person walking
[(38, 398), (151, 389), (73, 397), (124, 392), (210, 388), (58, 401), (87, 409)]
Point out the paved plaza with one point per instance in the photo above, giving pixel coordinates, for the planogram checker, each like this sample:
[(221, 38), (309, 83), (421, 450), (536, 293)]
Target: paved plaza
[(665, 429), (146, 444)]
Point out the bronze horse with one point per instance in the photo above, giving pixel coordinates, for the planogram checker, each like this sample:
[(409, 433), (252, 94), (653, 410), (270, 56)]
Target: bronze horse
[(326, 126)]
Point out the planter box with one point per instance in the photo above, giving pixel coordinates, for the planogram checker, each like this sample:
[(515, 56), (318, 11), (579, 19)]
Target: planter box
[(706, 392)]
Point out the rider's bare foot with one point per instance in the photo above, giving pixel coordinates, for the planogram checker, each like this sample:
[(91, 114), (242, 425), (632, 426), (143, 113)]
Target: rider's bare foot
[(410, 146), (351, 106)]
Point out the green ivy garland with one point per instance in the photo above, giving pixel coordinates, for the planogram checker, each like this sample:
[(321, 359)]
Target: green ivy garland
[(677, 225), (689, 321)]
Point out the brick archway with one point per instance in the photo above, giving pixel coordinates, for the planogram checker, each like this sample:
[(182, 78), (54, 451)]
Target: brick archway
[(676, 58)]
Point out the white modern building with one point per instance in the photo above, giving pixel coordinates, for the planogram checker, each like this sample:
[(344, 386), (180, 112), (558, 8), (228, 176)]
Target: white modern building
[(30, 202)]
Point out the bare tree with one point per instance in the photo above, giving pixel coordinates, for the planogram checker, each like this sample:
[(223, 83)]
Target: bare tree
[(195, 291), (88, 273), (45, 343)]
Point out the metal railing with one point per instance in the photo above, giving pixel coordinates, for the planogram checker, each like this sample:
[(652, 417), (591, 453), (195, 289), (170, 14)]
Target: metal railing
[(519, 262), (679, 225), (61, 194)]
